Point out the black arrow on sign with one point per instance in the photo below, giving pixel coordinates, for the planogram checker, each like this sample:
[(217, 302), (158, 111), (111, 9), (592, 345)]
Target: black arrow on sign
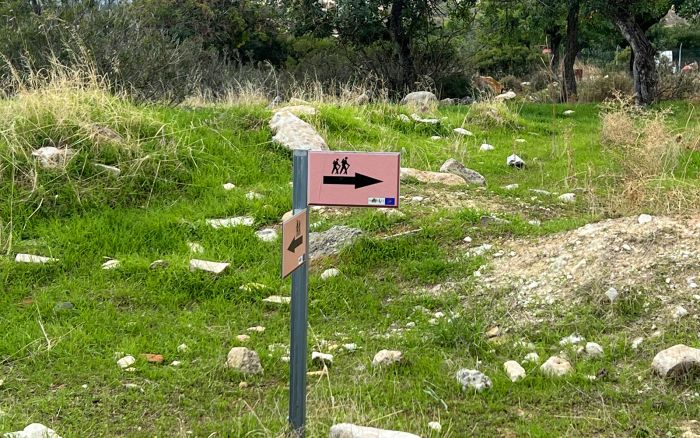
[(359, 180), (295, 244)]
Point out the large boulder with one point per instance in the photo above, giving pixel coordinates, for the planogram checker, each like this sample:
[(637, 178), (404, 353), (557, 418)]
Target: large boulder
[(331, 241), (420, 99), (676, 361), (425, 176), (244, 360), (470, 176), (295, 134), (345, 430)]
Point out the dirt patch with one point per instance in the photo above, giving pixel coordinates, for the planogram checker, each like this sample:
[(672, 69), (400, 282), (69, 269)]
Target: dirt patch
[(659, 259)]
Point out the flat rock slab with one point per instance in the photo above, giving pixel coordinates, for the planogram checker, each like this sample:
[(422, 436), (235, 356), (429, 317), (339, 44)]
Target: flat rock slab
[(346, 430), (230, 222), (676, 361), (295, 134), (330, 242), (203, 265), (428, 177), (456, 168), (30, 258)]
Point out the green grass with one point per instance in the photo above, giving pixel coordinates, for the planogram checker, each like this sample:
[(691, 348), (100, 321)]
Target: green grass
[(81, 218)]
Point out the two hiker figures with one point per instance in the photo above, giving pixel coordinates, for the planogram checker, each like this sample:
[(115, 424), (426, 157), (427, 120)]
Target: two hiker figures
[(340, 167)]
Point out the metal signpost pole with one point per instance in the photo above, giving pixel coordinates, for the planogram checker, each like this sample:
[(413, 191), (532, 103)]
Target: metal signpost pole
[(300, 298)]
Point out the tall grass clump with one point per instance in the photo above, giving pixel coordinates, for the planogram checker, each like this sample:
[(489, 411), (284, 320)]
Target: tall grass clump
[(71, 111), (651, 155), (490, 114)]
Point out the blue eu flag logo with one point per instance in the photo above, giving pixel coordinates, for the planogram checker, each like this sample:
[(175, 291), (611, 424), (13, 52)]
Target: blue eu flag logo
[(389, 201)]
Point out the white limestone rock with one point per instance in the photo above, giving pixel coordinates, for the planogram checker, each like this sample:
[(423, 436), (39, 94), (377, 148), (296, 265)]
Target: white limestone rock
[(50, 157), (514, 370), (231, 222), (593, 349), (267, 234), (386, 358), (34, 430), (473, 379), (345, 430), (244, 360), (207, 266), (463, 132), (556, 367), (295, 134), (676, 361), (126, 361), (30, 258), (330, 273)]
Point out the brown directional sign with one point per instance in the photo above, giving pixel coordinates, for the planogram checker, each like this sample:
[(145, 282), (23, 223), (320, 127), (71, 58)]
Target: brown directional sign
[(294, 243)]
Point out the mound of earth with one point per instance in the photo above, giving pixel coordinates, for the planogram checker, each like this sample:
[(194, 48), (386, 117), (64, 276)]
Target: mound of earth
[(658, 259)]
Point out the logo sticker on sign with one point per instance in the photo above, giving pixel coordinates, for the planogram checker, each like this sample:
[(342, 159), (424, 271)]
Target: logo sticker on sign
[(354, 179)]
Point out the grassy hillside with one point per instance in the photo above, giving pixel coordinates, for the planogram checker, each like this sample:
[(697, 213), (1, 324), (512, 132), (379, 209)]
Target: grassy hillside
[(59, 366)]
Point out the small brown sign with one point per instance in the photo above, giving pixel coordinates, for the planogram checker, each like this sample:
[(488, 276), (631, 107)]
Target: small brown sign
[(294, 243)]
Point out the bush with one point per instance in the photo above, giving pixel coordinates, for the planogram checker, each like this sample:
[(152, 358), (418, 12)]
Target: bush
[(601, 88), (510, 82)]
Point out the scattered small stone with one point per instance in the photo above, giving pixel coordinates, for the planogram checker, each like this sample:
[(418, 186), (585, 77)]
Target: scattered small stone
[(508, 95), (626, 247), (481, 250), (133, 386), (244, 360), (568, 198), (231, 222), (153, 358), (676, 361), (419, 119), (243, 338), (330, 273), (636, 342), (556, 367), (410, 324), (195, 247), (514, 370), (571, 340), (243, 385), (207, 266), (568, 112), (404, 118), (29, 258), (419, 98), (345, 430), (435, 137), (386, 358), (511, 187), (680, 312), (126, 362), (434, 425), (267, 234), (350, 347), (486, 147), (285, 359), (644, 219), (593, 349), (417, 199), (320, 373), (34, 430), (110, 264), (492, 220), (175, 363), (520, 140), (321, 358), (535, 222), (463, 132), (467, 239), (515, 161), (612, 294), (229, 186), (251, 196), (473, 379), (532, 357), (493, 332), (276, 299), (257, 329), (159, 264)]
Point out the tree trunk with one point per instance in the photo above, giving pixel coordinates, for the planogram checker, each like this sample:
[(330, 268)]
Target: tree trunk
[(644, 65), (568, 89), (402, 42), (554, 35)]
